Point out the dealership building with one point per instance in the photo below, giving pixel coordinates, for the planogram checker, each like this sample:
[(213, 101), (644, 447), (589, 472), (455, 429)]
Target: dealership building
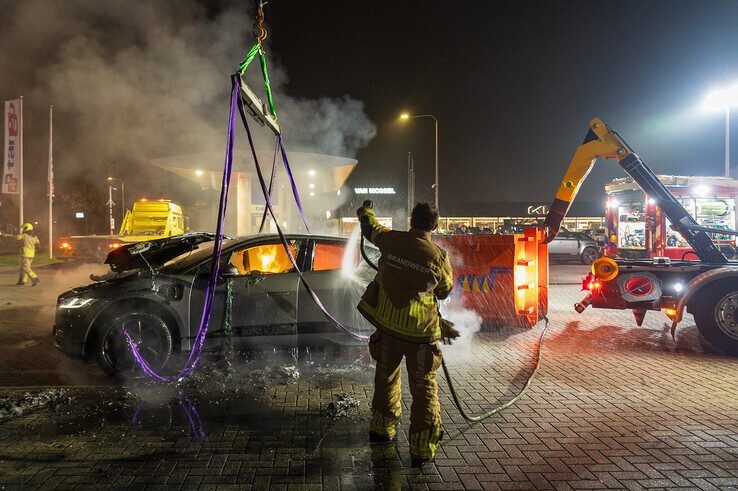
[(392, 211), (330, 202)]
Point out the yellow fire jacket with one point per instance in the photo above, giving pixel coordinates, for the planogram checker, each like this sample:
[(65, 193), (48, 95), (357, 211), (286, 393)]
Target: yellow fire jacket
[(413, 274), (28, 243)]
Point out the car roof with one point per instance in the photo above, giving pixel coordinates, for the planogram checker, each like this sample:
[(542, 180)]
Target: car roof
[(245, 238)]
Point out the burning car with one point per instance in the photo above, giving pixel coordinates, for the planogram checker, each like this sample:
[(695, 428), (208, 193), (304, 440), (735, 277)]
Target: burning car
[(155, 291)]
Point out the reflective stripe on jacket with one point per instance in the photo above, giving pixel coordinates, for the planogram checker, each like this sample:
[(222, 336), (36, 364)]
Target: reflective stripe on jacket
[(413, 274), (28, 244)]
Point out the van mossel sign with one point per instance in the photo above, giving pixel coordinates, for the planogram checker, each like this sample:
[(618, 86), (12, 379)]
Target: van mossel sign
[(374, 190)]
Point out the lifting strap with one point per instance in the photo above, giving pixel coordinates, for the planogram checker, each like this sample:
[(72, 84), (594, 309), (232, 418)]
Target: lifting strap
[(237, 105), (202, 330)]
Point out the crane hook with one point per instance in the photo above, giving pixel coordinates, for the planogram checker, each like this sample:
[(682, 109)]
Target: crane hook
[(260, 32)]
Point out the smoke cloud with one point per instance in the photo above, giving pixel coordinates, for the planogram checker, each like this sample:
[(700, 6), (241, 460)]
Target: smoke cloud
[(135, 80), (468, 322)]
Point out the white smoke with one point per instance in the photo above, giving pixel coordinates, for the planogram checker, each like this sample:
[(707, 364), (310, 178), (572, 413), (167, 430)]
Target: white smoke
[(133, 80), (468, 322)]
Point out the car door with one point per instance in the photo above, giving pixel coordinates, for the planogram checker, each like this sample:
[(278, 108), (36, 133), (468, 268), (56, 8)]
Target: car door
[(196, 295), (339, 282), (264, 288)]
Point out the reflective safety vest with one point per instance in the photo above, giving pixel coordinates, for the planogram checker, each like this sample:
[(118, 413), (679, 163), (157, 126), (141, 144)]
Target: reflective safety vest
[(413, 274), (28, 244)]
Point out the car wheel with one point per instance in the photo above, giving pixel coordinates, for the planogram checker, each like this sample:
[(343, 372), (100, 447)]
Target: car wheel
[(588, 256), (716, 315), (151, 334)]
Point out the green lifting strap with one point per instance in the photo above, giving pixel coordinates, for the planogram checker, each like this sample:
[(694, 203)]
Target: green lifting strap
[(256, 48), (249, 58)]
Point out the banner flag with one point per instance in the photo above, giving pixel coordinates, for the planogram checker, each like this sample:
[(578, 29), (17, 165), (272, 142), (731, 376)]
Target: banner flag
[(12, 150)]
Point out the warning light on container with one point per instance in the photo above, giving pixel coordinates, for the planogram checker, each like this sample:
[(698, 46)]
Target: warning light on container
[(65, 246)]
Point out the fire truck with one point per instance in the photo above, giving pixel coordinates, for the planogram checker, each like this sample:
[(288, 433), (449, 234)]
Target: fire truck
[(702, 281), (638, 229)]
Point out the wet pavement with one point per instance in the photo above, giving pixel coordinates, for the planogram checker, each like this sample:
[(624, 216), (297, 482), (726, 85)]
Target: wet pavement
[(614, 406)]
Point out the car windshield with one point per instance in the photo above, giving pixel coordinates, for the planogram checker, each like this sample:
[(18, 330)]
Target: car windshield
[(191, 258)]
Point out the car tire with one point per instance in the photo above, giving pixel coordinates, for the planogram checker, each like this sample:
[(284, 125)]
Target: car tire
[(716, 315), (589, 255), (151, 333)]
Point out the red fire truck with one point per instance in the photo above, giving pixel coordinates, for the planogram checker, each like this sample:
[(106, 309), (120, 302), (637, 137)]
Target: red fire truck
[(637, 229)]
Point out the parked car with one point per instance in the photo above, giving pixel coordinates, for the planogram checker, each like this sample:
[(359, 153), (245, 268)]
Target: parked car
[(599, 235), (574, 246), (567, 246), (155, 290)]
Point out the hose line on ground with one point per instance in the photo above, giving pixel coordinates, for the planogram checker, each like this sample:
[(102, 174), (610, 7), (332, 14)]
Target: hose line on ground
[(501, 407), (449, 380)]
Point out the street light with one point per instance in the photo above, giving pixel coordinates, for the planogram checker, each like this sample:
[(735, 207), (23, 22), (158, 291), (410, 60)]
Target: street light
[(406, 117), (122, 197), (723, 100)]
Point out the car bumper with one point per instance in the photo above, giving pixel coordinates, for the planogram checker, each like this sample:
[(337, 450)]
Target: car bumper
[(70, 331)]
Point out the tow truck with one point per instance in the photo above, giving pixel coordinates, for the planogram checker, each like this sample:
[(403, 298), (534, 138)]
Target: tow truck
[(146, 221), (706, 287)]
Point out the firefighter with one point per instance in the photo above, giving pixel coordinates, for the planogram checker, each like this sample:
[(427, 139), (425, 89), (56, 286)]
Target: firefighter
[(28, 241), (402, 303)]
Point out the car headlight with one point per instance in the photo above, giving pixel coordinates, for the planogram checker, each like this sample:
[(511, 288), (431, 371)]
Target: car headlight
[(75, 302)]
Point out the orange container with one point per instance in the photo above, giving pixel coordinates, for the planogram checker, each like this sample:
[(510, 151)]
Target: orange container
[(504, 278)]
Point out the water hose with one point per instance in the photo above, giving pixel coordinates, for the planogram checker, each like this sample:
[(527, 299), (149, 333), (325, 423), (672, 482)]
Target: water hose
[(501, 407), (449, 380)]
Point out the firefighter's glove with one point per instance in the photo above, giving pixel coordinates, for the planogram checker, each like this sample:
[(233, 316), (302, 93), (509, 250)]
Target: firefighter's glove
[(448, 331), (364, 211)]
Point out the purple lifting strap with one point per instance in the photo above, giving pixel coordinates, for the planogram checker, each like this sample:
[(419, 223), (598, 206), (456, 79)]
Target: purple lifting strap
[(202, 330), (285, 244)]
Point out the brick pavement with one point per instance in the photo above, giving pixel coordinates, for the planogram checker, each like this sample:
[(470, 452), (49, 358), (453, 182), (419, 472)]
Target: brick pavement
[(614, 406)]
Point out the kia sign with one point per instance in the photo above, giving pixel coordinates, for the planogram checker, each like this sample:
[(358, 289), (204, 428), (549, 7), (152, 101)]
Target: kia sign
[(12, 157), (537, 209)]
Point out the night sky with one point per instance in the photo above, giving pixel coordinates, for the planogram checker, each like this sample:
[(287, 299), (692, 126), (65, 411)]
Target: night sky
[(514, 86)]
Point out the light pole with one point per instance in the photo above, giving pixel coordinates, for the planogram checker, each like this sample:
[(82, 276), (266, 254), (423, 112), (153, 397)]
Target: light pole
[(405, 117), (122, 197), (723, 100)]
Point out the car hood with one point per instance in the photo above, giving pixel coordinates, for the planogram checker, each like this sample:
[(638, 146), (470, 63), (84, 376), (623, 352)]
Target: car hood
[(153, 254)]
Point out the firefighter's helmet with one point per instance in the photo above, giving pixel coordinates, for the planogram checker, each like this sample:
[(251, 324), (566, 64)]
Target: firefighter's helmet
[(26, 227)]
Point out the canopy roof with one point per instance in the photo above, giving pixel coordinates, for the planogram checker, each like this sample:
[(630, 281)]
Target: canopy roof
[(206, 168)]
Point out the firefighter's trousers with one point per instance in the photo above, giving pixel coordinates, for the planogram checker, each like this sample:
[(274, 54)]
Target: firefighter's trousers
[(422, 359), (25, 270)]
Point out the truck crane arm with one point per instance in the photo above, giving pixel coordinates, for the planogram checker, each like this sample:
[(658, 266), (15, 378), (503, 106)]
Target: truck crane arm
[(602, 142)]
